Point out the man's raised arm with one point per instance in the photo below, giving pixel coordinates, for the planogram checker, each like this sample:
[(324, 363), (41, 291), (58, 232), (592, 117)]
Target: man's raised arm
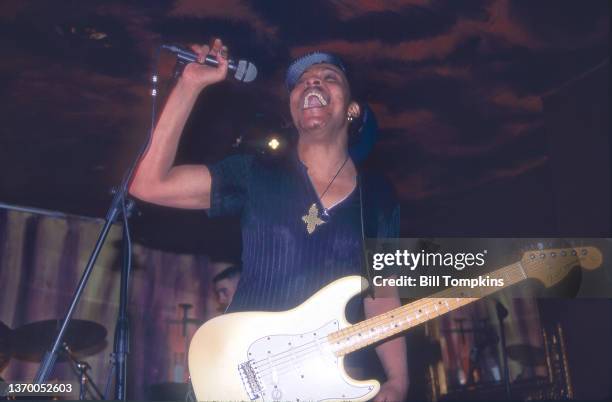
[(156, 179)]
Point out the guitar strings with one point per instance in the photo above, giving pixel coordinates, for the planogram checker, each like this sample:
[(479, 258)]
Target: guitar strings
[(292, 360), (377, 320), (294, 356), (275, 361)]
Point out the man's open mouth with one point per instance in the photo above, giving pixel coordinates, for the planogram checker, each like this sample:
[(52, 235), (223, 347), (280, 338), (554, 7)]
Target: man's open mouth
[(314, 98)]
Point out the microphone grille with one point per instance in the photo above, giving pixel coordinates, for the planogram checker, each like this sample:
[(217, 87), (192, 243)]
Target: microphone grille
[(245, 71)]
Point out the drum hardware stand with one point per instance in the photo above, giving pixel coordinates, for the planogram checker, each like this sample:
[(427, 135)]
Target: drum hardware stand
[(82, 367), (463, 376), (502, 313), (484, 338), (120, 206), (80, 370), (557, 365)]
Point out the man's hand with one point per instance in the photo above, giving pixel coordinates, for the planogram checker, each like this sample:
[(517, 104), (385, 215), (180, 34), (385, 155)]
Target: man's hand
[(392, 353), (392, 391), (199, 76), (157, 180)]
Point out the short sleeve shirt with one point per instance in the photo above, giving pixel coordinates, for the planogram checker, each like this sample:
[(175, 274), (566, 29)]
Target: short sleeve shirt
[(282, 264)]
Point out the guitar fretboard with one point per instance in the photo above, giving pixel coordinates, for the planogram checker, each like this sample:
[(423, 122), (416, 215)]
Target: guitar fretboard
[(385, 325)]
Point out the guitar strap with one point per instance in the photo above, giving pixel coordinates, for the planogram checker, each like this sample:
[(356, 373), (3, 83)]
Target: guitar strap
[(364, 256), (375, 204)]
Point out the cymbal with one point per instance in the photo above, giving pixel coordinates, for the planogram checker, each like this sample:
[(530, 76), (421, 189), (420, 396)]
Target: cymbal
[(527, 355), (31, 341)]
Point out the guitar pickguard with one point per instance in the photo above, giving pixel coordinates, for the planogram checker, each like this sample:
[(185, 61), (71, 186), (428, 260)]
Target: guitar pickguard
[(300, 367)]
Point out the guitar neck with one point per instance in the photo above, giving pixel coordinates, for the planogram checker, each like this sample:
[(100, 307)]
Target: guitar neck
[(385, 325)]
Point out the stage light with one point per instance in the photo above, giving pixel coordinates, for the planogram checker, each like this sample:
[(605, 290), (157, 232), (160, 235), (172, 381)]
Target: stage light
[(274, 143)]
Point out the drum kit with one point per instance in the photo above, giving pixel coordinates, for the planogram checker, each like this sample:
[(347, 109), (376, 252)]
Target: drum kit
[(83, 338), (480, 363), (29, 343)]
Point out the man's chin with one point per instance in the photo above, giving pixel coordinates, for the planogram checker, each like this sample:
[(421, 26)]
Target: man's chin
[(313, 124), (316, 126)]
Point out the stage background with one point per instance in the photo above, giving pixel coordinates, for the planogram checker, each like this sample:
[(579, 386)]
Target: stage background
[(41, 260)]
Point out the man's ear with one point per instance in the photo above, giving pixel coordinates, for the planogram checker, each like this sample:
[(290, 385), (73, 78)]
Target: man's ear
[(354, 110)]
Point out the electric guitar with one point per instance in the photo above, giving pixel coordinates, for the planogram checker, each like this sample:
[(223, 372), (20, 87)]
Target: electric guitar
[(297, 355)]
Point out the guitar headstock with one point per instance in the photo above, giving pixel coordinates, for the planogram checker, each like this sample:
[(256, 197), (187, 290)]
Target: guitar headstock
[(550, 266)]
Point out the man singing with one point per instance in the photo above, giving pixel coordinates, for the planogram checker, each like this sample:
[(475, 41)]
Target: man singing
[(301, 216)]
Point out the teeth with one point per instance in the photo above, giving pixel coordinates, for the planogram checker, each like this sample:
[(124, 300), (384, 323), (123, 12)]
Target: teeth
[(318, 95)]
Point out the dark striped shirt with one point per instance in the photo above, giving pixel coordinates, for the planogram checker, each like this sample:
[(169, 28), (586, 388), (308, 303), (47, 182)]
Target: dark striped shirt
[(283, 265)]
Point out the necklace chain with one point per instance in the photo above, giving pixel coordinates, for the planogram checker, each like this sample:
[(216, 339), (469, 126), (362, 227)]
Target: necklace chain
[(333, 178), (312, 219)]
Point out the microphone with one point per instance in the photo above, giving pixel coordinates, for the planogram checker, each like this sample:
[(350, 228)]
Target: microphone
[(244, 71)]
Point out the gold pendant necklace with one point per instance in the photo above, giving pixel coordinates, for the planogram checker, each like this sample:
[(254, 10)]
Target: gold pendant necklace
[(312, 219)]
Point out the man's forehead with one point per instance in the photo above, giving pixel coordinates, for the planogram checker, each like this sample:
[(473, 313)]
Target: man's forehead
[(226, 281)]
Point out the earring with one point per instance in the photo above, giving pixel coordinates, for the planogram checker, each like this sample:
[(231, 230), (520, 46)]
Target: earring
[(349, 118)]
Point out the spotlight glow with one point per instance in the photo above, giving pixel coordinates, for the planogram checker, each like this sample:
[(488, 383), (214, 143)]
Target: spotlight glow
[(274, 143)]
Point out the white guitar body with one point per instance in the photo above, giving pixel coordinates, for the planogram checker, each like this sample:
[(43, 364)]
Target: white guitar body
[(278, 356), (289, 356)]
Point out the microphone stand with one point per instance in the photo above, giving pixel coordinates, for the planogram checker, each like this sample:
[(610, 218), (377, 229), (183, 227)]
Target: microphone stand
[(51, 356), (121, 346), (120, 206)]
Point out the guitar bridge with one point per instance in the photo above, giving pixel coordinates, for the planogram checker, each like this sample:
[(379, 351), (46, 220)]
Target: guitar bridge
[(249, 380)]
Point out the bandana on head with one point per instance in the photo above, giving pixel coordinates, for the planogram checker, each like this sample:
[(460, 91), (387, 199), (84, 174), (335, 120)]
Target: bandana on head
[(297, 68)]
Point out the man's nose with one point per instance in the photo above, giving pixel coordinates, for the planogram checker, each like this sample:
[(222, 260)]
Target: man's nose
[(312, 81)]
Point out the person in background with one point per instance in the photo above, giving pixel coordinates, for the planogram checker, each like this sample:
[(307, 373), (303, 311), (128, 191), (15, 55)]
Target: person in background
[(225, 284)]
